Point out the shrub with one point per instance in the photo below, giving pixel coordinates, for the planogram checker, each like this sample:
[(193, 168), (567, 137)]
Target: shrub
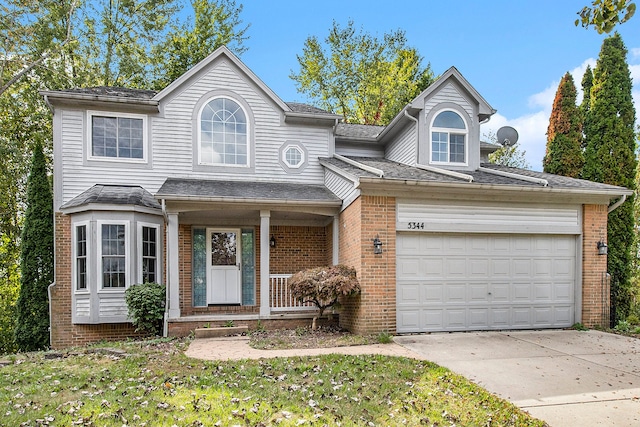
[(146, 306), (623, 326), (322, 286)]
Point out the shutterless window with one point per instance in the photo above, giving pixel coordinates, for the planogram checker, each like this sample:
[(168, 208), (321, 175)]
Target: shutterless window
[(149, 254), (113, 256), (448, 138), (293, 157), (81, 257), (223, 133), (118, 137)]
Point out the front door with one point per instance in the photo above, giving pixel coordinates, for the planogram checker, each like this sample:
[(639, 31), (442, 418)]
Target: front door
[(223, 274)]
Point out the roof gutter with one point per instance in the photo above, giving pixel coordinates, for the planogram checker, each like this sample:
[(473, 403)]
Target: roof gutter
[(446, 172), (533, 179), (359, 165), (617, 204), (497, 187)]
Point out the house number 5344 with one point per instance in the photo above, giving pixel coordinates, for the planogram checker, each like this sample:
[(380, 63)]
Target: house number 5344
[(415, 225)]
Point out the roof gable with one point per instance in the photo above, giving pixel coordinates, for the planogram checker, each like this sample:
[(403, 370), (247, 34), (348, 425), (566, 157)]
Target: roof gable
[(209, 62), (453, 75)]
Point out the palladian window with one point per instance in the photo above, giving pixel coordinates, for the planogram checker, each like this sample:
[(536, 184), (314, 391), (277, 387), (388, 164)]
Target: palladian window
[(223, 133)]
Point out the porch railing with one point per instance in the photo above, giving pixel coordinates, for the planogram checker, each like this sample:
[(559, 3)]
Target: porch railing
[(280, 298)]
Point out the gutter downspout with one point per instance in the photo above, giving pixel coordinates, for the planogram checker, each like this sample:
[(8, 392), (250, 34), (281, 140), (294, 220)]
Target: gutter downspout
[(165, 322), (617, 204)]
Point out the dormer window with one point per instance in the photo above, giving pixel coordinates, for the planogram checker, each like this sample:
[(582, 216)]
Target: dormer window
[(448, 138), (223, 133)]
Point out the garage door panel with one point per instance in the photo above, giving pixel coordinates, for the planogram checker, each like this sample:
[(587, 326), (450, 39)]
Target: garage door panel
[(455, 293), (521, 292), (542, 292), (479, 292), (433, 320), (500, 292), (479, 318), (474, 282), (563, 292)]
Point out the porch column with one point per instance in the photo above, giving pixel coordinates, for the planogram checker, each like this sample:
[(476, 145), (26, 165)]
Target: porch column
[(173, 266), (265, 285), (336, 240)]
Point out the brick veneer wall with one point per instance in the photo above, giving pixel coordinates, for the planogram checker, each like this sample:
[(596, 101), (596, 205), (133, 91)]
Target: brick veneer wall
[(374, 309), (595, 298), (297, 248), (63, 332)]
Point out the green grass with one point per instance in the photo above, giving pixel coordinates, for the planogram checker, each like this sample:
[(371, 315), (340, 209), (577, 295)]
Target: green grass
[(156, 385)]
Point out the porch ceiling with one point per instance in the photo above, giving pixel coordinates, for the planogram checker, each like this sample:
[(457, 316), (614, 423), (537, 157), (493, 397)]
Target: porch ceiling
[(251, 216)]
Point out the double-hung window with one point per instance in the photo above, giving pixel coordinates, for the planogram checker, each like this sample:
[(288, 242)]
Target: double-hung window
[(113, 255), (120, 137), (148, 235), (81, 250), (448, 138)]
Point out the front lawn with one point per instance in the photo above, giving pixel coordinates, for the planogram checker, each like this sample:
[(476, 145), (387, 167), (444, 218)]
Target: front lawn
[(153, 384)]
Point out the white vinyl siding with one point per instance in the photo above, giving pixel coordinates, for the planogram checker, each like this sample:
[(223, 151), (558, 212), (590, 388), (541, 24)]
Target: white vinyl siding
[(489, 218), (171, 136), (449, 93), (403, 148), (341, 187)]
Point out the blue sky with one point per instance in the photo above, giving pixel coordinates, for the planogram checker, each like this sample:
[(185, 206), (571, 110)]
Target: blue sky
[(513, 52)]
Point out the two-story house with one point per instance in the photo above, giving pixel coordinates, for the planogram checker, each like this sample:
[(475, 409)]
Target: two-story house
[(219, 189)]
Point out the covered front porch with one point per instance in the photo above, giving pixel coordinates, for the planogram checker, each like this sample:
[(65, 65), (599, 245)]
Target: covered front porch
[(229, 257)]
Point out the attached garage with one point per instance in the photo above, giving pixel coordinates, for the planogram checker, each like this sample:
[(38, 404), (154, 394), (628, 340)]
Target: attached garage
[(505, 275)]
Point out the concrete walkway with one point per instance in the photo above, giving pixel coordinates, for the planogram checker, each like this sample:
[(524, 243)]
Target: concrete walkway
[(567, 378), (236, 348)]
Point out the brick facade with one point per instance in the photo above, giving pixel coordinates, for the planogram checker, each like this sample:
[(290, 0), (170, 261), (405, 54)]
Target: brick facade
[(63, 332), (595, 291), (374, 309), (297, 248), (301, 247)]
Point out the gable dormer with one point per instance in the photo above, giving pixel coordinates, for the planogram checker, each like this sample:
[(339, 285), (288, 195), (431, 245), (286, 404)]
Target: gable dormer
[(450, 114)]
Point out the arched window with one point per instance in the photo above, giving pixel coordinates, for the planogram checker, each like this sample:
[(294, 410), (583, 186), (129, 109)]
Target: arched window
[(223, 133), (448, 138)]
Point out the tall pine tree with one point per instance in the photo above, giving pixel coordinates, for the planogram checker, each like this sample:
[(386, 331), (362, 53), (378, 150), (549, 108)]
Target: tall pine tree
[(564, 134), (587, 83), (32, 308), (610, 158)]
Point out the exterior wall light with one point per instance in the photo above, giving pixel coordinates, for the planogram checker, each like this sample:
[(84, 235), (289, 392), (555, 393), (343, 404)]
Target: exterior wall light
[(272, 241), (377, 245), (603, 249)]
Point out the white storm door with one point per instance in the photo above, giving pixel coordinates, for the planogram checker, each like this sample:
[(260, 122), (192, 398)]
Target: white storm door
[(223, 272)]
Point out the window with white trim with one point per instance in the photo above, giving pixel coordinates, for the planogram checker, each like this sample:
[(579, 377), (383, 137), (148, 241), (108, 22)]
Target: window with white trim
[(223, 133), (121, 137), (148, 255), (113, 255), (293, 157), (80, 255), (448, 138)]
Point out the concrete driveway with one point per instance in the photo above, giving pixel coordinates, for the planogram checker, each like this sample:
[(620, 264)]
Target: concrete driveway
[(567, 378)]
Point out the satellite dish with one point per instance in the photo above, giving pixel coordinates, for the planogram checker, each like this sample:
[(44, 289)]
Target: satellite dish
[(507, 136)]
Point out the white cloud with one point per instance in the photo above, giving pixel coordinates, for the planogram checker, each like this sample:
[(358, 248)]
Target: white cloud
[(635, 52)]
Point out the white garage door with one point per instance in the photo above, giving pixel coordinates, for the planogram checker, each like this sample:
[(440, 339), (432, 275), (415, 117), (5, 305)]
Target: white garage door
[(455, 282)]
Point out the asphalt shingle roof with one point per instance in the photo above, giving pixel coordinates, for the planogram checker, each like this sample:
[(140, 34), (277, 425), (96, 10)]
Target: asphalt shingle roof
[(119, 92), (298, 107), (398, 171), (285, 192), (114, 194), (350, 130)]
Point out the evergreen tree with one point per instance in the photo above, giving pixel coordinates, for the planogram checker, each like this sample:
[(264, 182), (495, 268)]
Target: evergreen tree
[(610, 158), (585, 107), (564, 134), (32, 308)]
